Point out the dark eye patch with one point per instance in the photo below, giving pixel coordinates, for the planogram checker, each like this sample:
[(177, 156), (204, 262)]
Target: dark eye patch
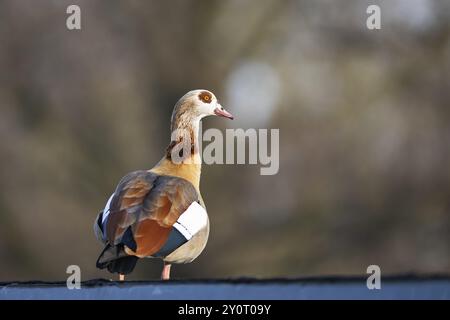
[(205, 96)]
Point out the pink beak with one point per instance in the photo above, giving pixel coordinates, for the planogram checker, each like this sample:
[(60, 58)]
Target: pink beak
[(221, 112)]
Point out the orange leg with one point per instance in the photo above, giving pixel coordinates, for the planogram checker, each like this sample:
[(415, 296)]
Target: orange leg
[(165, 275)]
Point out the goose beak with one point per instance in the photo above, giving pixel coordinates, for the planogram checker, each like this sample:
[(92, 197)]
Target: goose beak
[(221, 112)]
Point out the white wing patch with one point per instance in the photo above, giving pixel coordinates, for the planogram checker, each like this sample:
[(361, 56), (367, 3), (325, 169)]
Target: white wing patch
[(192, 220), (106, 210)]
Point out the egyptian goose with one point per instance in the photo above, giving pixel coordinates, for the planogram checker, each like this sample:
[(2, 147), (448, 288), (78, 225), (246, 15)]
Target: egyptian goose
[(159, 213)]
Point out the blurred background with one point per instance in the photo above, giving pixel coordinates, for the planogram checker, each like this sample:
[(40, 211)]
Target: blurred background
[(364, 121)]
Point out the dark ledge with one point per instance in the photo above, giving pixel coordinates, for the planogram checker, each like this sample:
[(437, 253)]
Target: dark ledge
[(332, 287)]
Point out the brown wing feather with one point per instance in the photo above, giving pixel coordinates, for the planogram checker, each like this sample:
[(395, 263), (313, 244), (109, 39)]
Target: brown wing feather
[(150, 204), (149, 237)]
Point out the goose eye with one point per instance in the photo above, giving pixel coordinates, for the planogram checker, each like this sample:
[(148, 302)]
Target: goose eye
[(205, 97)]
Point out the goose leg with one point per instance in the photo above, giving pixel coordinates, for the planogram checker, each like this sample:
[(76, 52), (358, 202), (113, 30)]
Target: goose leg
[(165, 275)]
